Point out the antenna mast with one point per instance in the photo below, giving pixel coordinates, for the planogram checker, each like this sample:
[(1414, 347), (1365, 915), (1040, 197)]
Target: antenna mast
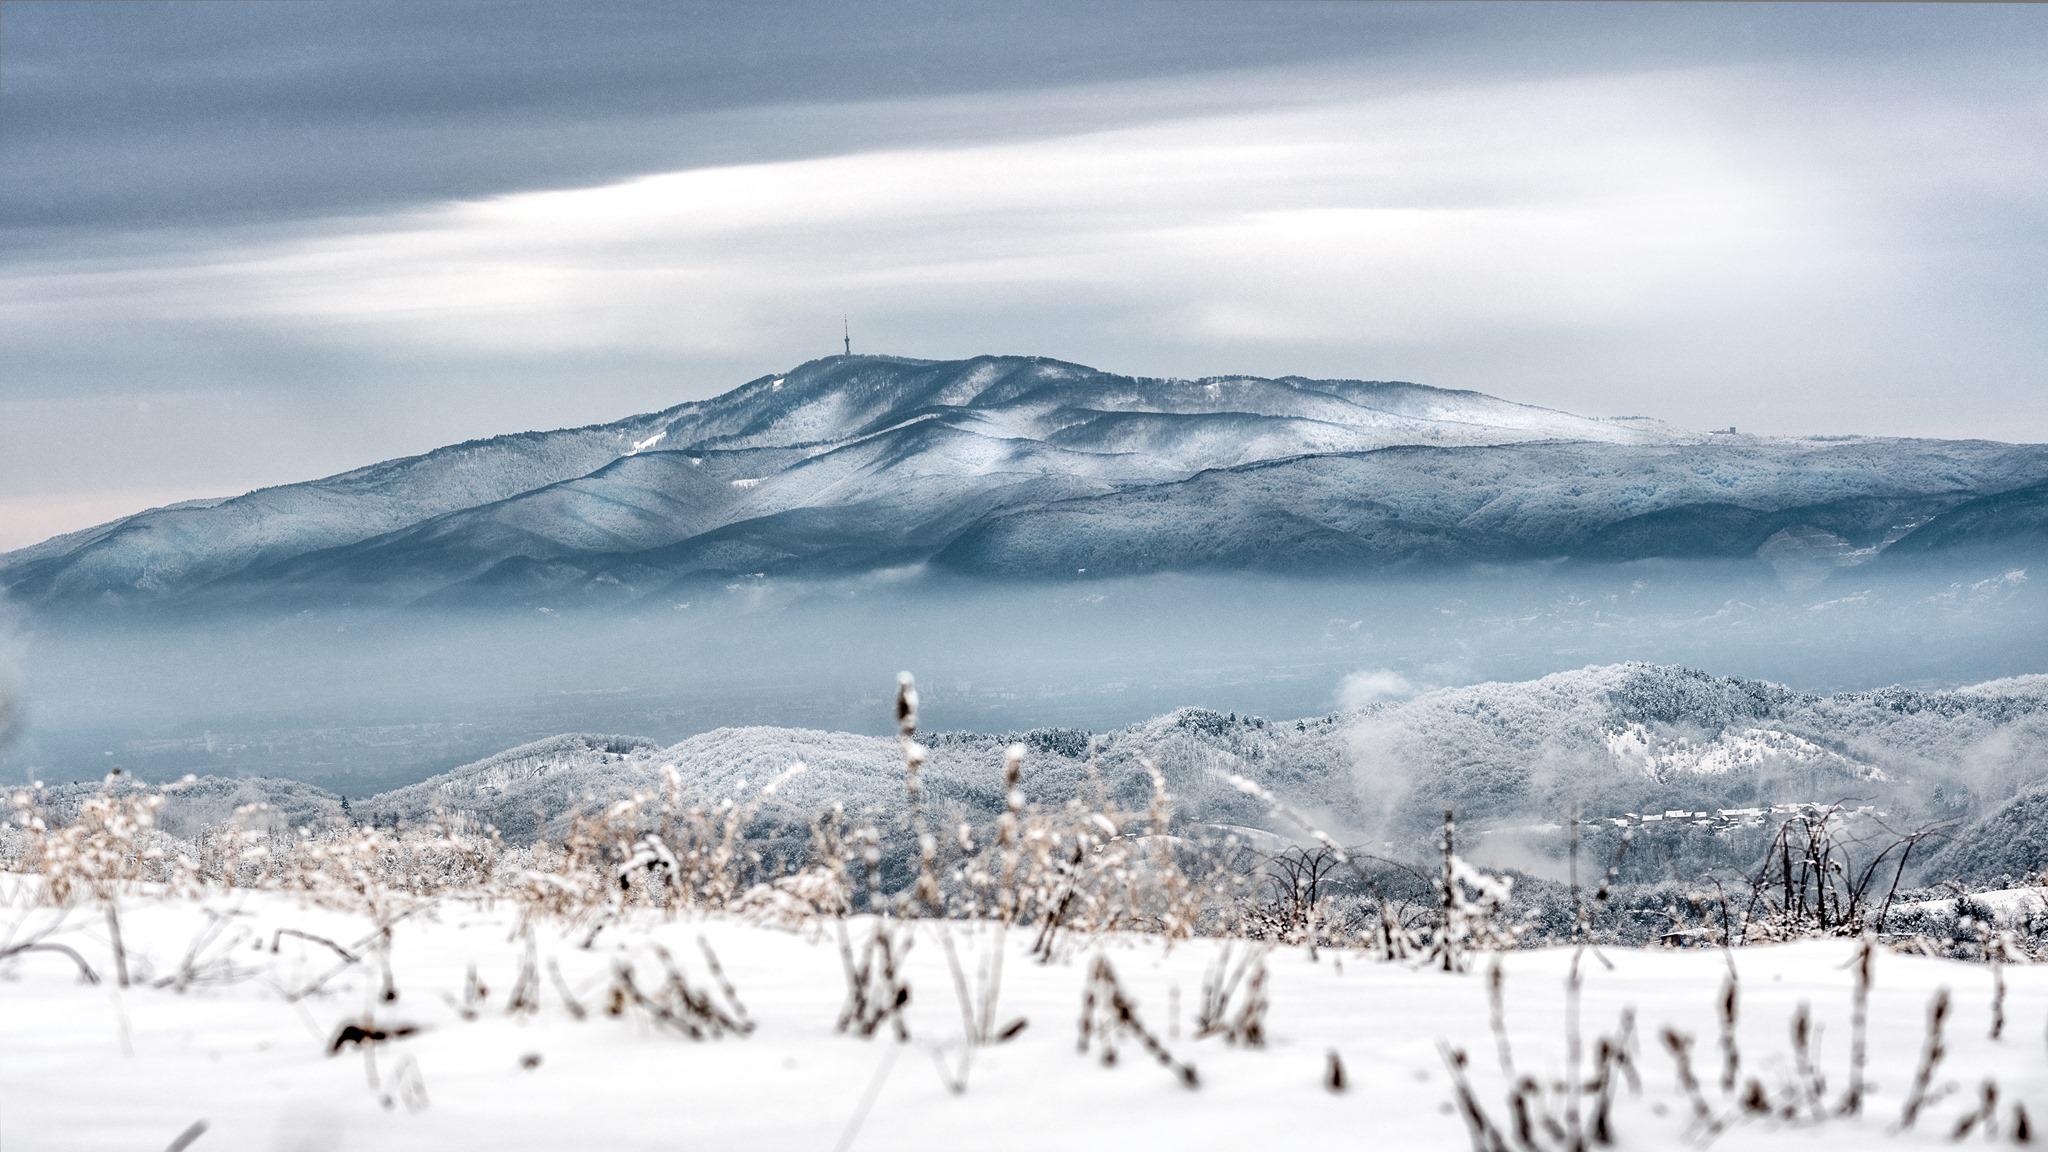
[(846, 335)]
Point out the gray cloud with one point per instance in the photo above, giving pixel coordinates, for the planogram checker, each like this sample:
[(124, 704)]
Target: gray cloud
[(173, 113), (170, 114)]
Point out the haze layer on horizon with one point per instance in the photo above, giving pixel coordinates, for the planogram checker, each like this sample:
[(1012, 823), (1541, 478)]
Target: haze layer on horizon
[(247, 244)]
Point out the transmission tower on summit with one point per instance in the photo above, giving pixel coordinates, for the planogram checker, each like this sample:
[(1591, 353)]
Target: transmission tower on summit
[(846, 335)]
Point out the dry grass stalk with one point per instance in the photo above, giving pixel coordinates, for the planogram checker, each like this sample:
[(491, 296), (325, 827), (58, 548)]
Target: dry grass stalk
[(977, 1006), (875, 994), (1859, 1028), (1572, 1114), (1731, 1054), (925, 896), (525, 997), (978, 999), (1931, 1056), (1485, 1136), (1215, 1016), (209, 959), (1810, 1086), (1999, 947), (1009, 831), (1612, 1060), (1984, 1116), (40, 941), (678, 1004), (569, 1001), (1497, 1018), (1108, 1012), (1679, 1044)]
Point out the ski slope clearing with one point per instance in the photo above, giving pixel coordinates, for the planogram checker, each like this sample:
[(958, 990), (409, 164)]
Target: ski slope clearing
[(229, 1024)]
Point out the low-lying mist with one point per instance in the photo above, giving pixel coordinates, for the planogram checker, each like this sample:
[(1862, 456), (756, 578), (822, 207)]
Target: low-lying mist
[(364, 701)]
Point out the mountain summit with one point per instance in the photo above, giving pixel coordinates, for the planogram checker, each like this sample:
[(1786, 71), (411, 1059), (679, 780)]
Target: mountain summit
[(1025, 466)]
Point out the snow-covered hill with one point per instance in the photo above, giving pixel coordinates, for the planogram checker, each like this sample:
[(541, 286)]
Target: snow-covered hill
[(1019, 466), (1606, 740)]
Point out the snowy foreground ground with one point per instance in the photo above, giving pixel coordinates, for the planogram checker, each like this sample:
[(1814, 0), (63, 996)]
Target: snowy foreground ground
[(98, 1067)]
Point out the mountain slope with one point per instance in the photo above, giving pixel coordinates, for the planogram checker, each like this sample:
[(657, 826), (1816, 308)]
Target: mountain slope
[(1024, 466), (2013, 523), (1596, 501), (169, 550)]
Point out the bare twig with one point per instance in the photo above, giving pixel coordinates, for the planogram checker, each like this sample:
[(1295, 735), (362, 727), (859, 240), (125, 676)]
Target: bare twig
[(347, 956), (85, 973)]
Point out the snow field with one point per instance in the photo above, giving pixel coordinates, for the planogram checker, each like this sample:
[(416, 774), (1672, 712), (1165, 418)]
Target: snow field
[(95, 1066)]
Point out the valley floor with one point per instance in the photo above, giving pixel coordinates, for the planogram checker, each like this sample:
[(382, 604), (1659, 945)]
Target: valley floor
[(212, 1030)]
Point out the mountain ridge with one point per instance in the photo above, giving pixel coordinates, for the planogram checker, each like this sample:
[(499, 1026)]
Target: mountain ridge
[(1031, 467)]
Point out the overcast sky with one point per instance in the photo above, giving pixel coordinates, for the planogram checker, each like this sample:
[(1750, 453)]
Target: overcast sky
[(248, 243)]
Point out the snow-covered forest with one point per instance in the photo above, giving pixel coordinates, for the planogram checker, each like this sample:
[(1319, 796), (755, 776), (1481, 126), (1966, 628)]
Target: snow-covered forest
[(1701, 761)]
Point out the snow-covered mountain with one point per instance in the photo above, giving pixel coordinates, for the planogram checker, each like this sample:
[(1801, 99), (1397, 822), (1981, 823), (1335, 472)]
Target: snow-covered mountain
[(1015, 466)]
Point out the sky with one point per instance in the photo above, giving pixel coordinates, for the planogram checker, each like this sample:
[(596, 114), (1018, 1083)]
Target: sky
[(249, 243)]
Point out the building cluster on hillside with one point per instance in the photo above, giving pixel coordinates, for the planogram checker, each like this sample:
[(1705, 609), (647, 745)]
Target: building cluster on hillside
[(1721, 818)]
